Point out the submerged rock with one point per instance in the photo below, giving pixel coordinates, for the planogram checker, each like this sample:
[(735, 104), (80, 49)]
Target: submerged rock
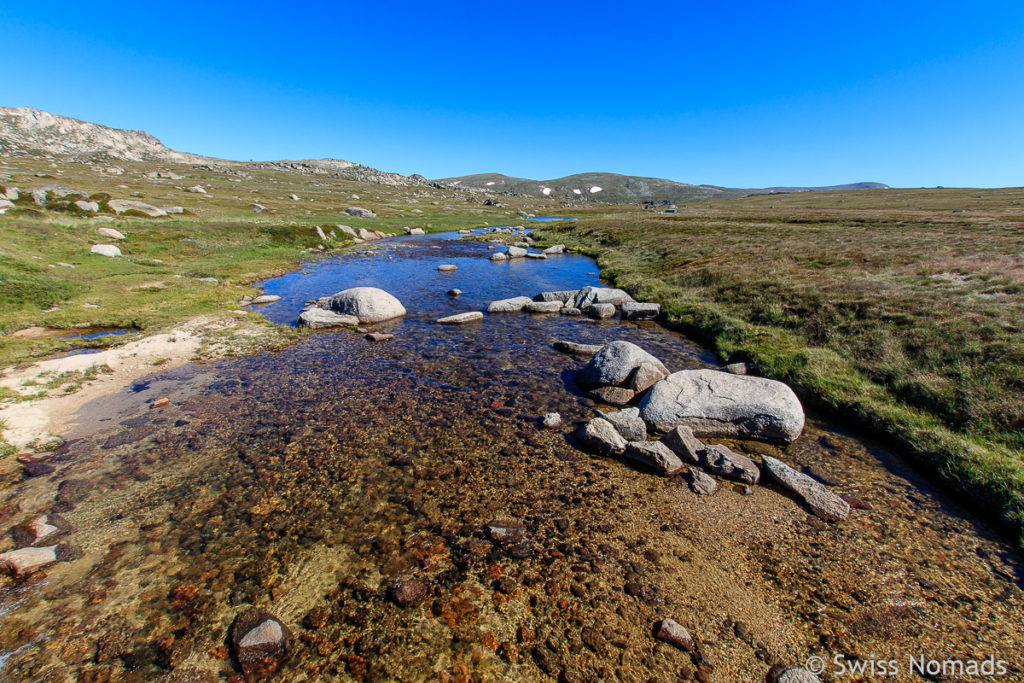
[(575, 349), (461, 318), (687, 446), (600, 436), (261, 642), (319, 318), (701, 483), (654, 455), (613, 396), (671, 632), (552, 420), (717, 403), (24, 561), (39, 529), (727, 463), (408, 592), (369, 304), (822, 502), (378, 336)]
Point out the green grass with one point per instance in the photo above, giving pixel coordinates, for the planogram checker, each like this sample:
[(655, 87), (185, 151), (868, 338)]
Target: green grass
[(905, 320)]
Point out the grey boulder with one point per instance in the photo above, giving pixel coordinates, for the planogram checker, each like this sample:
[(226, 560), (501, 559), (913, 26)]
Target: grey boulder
[(564, 295), (601, 311), (727, 463), (682, 441), (543, 307), (600, 295), (628, 423), (655, 455), (360, 212), (615, 363), (461, 318), (513, 305), (515, 252), (369, 304), (632, 310), (555, 249), (717, 403)]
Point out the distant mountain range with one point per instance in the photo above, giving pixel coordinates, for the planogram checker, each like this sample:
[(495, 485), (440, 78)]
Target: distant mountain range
[(615, 188), (31, 132)]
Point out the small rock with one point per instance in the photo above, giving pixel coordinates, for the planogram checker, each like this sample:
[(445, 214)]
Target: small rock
[(632, 310), (555, 249), (161, 402), (613, 396), (855, 502), (687, 446), (797, 675), (111, 233), (654, 455), (360, 212), (454, 292), (90, 207), (408, 592), (727, 463), (536, 256), (570, 311), (552, 420), (628, 423), (293, 197), (379, 336), (417, 231), (265, 299), (447, 268), (614, 364), (462, 318), (562, 295), (105, 250), (600, 436), (670, 632), (737, 369), (261, 643), (515, 252), (601, 311), (120, 206), (498, 256), (701, 482), (39, 529), (644, 377), (37, 469), (197, 189)]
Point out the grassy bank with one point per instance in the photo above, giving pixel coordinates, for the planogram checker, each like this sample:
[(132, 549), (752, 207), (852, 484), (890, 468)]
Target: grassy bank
[(899, 311)]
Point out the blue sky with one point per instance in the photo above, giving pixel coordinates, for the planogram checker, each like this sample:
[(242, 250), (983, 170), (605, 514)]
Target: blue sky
[(737, 94)]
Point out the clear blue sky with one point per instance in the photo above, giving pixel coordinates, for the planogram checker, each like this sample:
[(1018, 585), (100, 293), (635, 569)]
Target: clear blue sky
[(737, 94)]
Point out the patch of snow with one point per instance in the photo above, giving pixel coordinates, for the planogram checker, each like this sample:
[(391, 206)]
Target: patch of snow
[(489, 183), (595, 189), (577, 191), (546, 191)]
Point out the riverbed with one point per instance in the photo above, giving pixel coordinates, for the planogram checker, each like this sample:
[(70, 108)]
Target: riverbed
[(308, 481)]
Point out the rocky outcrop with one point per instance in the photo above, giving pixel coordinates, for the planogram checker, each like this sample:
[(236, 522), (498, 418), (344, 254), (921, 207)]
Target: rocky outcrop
[(822, 502), (368, 304), (360, 212), (720, 404)]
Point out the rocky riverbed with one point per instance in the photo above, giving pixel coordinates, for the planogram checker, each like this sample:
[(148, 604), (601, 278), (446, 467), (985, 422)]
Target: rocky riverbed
[(400, 511)]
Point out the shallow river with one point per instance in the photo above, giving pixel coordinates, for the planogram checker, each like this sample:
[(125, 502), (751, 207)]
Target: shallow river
[(307, 481)]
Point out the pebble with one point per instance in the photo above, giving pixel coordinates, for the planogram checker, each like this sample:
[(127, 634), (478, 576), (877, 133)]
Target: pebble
[(379, 336), (552, 420), (672, 633), (261, 642)]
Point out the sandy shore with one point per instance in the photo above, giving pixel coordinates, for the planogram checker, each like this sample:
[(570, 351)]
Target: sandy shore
[(36, 421)]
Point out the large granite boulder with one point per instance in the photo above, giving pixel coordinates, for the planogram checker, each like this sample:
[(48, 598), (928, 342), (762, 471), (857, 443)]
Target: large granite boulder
[(719, 404), (369, 304)]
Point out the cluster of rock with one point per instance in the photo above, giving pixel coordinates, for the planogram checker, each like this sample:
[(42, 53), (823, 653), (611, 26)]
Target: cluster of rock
[(45, 196), (596, 302), (683, 405), (355, 306), (362, 235)]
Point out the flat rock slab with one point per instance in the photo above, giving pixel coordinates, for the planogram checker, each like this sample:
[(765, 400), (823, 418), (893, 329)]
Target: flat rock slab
[(261, 643), (447, 268), (120, 206), (725, 462), (601, 311), (600, 436), (632, 310), (369, 304), (576, 349), (378, 336), (822, 502), (265, 299), (613, 396), (599, 295), (543, 307), (513, 305), (655, 455), (564, 295), (319, 318), (536, 256), (461, 318), (111, 233), (720, 404), (24, 561)]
